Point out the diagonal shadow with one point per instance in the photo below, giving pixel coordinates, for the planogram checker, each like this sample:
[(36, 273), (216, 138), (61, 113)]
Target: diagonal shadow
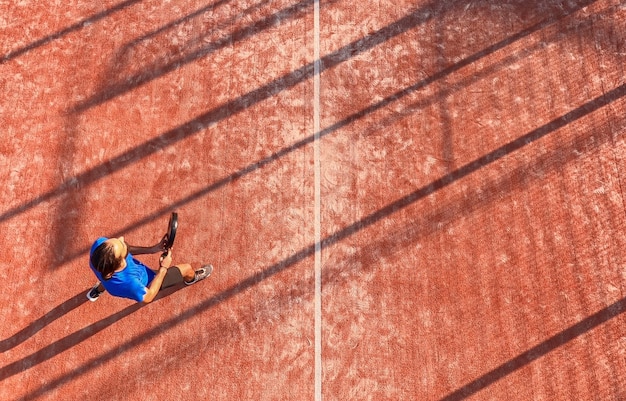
[(467, 80), (538, 351), (72, 28), (64, 344), (33, 328), (329, 241), (477, 164), (224, 111), (117, 77), (385, 244), (380, 105), (497, 373), (173, 24), (203, 37), (70, 340), (388, 244), (169, 63), (287, 81)]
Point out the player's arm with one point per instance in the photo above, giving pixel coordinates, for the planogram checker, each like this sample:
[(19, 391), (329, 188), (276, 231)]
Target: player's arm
[(143, 250), (155, 285)]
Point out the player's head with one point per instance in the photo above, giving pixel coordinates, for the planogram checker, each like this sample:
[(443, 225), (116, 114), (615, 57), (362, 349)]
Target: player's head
[(110, 256)]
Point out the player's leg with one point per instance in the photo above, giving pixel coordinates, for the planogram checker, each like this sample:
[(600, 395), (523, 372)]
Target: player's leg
[(192, 275), (186, 271), (183, 272)]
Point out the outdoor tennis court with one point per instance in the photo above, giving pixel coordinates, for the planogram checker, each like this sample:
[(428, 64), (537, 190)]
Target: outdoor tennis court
[(402, 200)]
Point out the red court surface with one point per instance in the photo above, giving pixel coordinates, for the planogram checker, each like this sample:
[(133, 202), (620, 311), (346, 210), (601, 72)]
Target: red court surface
[(402, 200)]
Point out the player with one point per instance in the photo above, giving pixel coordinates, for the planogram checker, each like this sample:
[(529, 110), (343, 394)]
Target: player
[(119, 273)]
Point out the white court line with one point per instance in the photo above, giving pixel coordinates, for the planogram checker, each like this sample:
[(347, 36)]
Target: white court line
[(317, 201)]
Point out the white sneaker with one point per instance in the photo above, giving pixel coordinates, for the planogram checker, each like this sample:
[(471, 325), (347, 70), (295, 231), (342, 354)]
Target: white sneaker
[(202, 273)]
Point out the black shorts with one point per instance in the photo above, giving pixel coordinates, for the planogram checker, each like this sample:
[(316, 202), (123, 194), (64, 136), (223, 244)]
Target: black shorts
[(172, 277)]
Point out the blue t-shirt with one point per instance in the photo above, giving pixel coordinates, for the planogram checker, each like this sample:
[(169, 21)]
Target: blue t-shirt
[(131, 282)]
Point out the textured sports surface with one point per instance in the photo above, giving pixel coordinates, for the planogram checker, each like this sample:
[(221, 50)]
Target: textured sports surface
[(402, 200)]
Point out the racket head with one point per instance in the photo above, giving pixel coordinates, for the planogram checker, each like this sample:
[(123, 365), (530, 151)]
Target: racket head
[(171, 230)]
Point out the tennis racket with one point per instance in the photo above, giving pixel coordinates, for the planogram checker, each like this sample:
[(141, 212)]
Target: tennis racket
[(171, 233)]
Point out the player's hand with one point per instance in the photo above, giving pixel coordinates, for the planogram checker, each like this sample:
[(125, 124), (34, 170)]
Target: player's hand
[(166, 259)]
